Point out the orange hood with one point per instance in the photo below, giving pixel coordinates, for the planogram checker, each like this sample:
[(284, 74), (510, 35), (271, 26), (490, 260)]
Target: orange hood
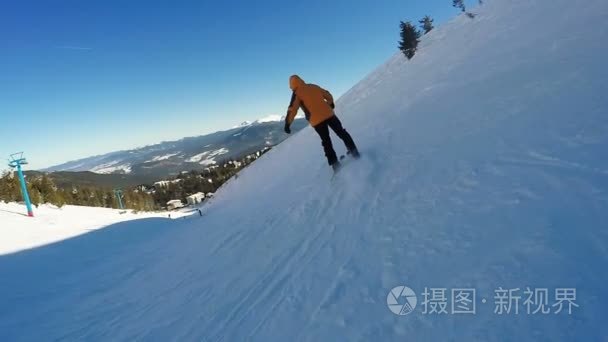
[(295, 81)]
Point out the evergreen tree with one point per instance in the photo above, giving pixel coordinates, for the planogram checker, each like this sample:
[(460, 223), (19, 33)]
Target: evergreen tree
[(3, 186), (75, 197), (47, 189), (53, 197), (108, 198), (459, 4), (35, 196), (426, 24), (10, 188), (409, 39)]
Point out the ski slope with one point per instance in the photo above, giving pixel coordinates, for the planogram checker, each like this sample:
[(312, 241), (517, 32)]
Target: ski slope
[(51, 224), (484, 166)]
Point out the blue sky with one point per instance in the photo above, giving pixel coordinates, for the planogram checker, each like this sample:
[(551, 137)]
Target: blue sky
[(80, 78)]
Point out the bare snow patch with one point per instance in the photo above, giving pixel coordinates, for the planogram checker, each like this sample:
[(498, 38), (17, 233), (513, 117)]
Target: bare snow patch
[(112, 167), (163, 157), (207, 157)]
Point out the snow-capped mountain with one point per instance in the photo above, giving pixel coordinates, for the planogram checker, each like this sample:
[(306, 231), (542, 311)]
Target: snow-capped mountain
[(188, 153), (272, 118), (268, 119)]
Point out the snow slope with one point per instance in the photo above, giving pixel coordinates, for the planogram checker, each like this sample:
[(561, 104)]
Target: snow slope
[(52, 224), (484, 166)]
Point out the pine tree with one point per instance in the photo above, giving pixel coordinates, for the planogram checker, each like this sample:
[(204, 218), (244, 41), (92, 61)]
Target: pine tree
[(106, 199), (459, 4), (35, 196), (409, 39), (47, 189), (51, 197), (10, 188), (3, 186), (426, 24), (96, 200)]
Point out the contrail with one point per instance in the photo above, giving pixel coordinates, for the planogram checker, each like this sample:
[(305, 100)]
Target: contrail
[(70, 47)]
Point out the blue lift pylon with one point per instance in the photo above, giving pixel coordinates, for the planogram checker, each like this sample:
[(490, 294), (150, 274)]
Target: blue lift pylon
[(15, 161), (118, 194)]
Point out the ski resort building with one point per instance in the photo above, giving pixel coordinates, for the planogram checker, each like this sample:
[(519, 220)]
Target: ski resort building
[(165, 183), (196, 198), (174, 204)]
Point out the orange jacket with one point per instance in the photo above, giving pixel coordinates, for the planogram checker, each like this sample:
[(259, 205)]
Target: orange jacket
[(316, 102)]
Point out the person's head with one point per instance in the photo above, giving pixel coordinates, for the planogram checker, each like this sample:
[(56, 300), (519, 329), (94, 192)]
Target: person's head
[(295, 81)]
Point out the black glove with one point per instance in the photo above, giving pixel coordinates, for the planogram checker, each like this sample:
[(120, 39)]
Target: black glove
[(287, 129), (333, 105)]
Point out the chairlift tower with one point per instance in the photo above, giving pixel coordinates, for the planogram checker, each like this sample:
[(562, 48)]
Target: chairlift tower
[(118, 194), (15, 161)]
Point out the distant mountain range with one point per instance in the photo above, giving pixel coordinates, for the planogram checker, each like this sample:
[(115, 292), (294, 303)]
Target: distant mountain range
[(192, 153)]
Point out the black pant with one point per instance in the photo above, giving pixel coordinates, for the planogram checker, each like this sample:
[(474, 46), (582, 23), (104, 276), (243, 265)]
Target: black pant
[(336, 126)]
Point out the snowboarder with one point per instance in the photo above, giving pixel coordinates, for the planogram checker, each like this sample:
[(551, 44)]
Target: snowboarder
[(318, 106)]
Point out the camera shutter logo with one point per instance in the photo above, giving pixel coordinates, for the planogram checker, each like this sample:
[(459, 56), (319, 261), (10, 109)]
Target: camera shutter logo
[(401, 300)]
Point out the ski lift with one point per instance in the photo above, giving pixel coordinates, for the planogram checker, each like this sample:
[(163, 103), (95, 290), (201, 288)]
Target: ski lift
[(16, 159)]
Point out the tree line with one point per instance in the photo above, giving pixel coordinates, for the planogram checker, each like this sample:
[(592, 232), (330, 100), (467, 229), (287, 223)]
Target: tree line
[(144, 197), (410, 34), (206, 181), (42, 189)]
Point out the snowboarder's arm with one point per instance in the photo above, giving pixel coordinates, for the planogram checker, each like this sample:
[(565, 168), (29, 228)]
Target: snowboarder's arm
[(328, 98), (294, 105)]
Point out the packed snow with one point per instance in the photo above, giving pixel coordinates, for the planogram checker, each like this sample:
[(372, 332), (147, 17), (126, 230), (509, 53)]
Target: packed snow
[(483, 167), (51, 224)]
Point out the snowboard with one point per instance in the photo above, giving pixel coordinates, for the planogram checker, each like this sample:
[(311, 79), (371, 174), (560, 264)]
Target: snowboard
[(344, 161)]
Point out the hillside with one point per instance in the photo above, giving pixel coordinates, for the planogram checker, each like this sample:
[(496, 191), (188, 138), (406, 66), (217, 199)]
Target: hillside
[(483, 167)]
